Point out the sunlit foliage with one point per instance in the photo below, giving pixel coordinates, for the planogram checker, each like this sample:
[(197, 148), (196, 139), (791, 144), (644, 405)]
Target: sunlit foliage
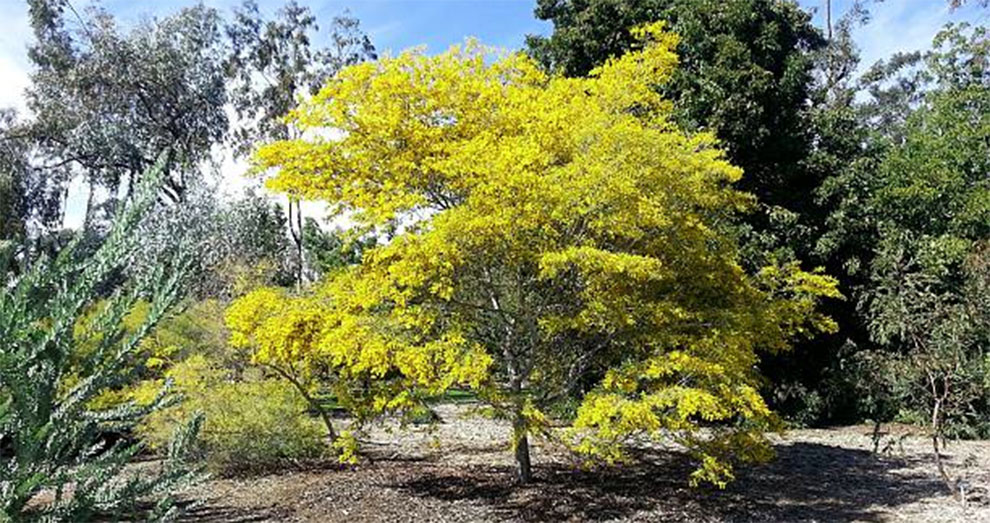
[(559, 238)]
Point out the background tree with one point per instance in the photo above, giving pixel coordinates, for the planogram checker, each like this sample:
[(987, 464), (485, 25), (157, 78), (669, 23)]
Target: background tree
[(273, 64), (14, 204), (333, 250), (905, 228), (937, 334), (106, 101), (536, 257), (808, 385), (241, 242), (31, 210)]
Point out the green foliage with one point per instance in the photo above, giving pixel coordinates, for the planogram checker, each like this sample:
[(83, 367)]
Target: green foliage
[(331, 251), (900, 150), (926, 211), (744, 74), (54, 441), (250, 247), (13, 180), (272, 62), (250, 425), (932, 313), (106, 100)]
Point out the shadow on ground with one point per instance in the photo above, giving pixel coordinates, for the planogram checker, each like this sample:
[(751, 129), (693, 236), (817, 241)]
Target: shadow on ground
[(807, 482)]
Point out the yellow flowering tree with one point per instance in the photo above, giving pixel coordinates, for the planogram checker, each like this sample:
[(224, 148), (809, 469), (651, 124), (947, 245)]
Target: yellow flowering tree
[(281, 330), (558, 238)]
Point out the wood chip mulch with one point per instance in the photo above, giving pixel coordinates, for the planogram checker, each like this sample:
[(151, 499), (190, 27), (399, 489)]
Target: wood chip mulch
[(461, 471)]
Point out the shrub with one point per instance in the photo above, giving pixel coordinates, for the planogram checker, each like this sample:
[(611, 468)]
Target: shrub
[(53, 440), (197, 328), (249, 425)]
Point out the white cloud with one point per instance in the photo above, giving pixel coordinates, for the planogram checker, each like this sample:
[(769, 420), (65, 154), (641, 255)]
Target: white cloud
[(13, 81), (14, 38)]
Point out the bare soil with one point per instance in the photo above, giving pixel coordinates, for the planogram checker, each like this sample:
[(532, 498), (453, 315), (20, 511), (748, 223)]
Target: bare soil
[(462, 471)]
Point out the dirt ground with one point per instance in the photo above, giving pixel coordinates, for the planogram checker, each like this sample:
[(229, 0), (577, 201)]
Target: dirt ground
[(462, 471)]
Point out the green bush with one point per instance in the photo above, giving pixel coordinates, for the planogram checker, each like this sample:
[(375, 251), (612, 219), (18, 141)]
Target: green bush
[(57, 461), (250, 426)]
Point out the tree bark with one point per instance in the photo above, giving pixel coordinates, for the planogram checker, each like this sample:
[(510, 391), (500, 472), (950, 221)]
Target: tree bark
[(520, 435), (937, 428), (296, 232), (88, 217), (324, 415), (517, 372), (520, 428), (828, 18)]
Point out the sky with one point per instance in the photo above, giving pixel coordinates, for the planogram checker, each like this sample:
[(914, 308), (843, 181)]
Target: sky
[(394, 25)]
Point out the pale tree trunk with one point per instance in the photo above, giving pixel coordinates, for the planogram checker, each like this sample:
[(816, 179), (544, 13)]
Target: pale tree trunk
[(517, 374), (828, 18), (938, 426), (88, 217)]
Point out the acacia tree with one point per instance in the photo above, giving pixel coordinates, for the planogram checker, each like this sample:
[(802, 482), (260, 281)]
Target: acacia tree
[(558, 238)]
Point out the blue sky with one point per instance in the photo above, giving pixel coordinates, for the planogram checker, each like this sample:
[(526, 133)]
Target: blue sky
[(397, 24)]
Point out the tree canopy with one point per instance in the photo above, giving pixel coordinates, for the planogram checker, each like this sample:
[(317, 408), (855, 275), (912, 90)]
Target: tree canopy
[(560, 237), (106, 101)]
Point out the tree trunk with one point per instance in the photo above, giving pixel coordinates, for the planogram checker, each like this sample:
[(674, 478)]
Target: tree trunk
[(88, 217), (937, 428), (828, 18), (516, 370), (324, 415), (876, 435), (296, 233), (520, 428), (299, 243), (520, 437)]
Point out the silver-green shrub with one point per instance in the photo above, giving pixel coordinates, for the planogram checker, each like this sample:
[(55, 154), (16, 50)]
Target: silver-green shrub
[(57, 462)]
